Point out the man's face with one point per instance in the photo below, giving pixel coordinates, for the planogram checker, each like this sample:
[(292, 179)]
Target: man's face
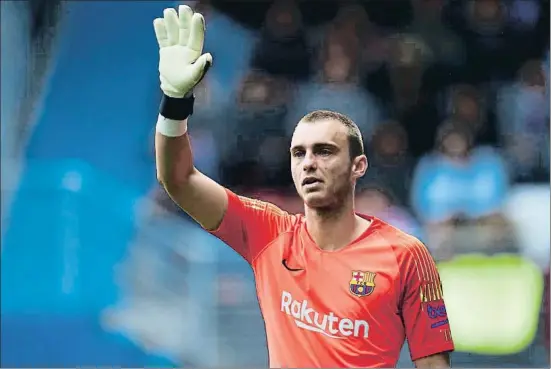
[(455, 145), (467, 109), (322, 170)]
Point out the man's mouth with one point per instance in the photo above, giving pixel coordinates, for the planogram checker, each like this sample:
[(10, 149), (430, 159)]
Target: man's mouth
[(310, 181)]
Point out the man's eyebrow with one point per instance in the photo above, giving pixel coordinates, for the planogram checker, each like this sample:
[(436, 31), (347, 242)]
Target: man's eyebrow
[(316, 145), (326, 144)]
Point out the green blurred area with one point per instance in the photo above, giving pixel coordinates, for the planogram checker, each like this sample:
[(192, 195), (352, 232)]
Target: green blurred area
[(493, 302)]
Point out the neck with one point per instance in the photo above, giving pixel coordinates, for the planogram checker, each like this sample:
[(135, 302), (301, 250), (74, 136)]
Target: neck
[(333, 228)]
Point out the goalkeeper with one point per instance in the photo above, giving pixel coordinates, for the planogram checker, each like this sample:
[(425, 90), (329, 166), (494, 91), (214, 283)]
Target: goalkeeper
[(336, 288)]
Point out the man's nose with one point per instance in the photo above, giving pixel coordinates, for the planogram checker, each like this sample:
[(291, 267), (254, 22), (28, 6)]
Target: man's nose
[(309, 162)]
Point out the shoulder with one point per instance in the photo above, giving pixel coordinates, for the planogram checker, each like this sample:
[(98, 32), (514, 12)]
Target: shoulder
[(404, 245), (262, 210), (261, 205)]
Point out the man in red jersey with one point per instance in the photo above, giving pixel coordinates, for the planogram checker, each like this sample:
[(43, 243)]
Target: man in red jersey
[(336, 288)]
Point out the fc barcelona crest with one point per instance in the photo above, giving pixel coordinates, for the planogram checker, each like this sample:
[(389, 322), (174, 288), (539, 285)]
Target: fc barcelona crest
[(362, 283)]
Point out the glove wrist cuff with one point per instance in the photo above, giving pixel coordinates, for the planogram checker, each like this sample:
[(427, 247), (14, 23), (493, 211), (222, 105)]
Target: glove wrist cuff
[(177, 108), (171, 128)]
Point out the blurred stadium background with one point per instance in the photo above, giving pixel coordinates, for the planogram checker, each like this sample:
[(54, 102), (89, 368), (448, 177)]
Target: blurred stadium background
[(99, 268)]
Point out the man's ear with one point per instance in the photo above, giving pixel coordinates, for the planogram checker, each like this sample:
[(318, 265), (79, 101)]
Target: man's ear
[(359, 166)]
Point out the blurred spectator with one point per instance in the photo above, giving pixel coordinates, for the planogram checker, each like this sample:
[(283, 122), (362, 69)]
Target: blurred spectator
[(409, 58), (465, 107), (390, 164), (446, 47), (495, 45), (523, 111), (458, 179), (259, 149), (402, 85), (282, 48), (375, 47), (466, 104), (349, 27), (487, 18), (444, 53), (460, 184), (336, 88), (376, 201)]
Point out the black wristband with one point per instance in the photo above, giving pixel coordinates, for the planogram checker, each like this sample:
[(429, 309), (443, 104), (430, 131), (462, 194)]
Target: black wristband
[(177, 108)]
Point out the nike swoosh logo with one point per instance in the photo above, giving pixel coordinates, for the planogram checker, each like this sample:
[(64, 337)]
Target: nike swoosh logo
[(284, 262)]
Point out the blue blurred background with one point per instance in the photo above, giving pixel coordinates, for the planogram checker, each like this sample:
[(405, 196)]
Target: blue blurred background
[(99, 268)]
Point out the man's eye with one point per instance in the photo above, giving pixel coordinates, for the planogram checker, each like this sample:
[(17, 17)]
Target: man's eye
[(325, 152), (298, 154)]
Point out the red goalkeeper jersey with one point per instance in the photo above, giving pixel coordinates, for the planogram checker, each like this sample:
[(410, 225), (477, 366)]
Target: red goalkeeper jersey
[(348, 308)]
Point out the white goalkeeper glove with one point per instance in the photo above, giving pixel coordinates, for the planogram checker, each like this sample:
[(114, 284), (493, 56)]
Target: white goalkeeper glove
[(181, 66), (181, 37)]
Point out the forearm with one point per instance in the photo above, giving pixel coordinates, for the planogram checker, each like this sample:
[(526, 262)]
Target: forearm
[(174, 159), (199, 196)]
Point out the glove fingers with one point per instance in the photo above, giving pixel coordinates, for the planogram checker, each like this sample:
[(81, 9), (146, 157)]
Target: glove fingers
[(160, 32), (184, 14), (171, 24), (197, 33)]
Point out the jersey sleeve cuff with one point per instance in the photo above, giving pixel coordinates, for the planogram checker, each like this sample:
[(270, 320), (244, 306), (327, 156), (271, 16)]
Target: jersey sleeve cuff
[(432, 350), (232, 201)]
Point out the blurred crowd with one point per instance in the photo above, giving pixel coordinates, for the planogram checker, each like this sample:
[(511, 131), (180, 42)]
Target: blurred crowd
[(451, 98)]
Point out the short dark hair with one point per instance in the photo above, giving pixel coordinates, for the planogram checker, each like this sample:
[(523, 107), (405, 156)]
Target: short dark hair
[(355, 141)]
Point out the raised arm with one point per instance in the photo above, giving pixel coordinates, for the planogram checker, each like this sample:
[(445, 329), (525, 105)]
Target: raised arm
[(245, 224), (181, 66)]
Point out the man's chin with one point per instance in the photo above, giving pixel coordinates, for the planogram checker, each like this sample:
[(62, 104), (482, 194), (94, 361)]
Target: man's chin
[(315, 200)]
